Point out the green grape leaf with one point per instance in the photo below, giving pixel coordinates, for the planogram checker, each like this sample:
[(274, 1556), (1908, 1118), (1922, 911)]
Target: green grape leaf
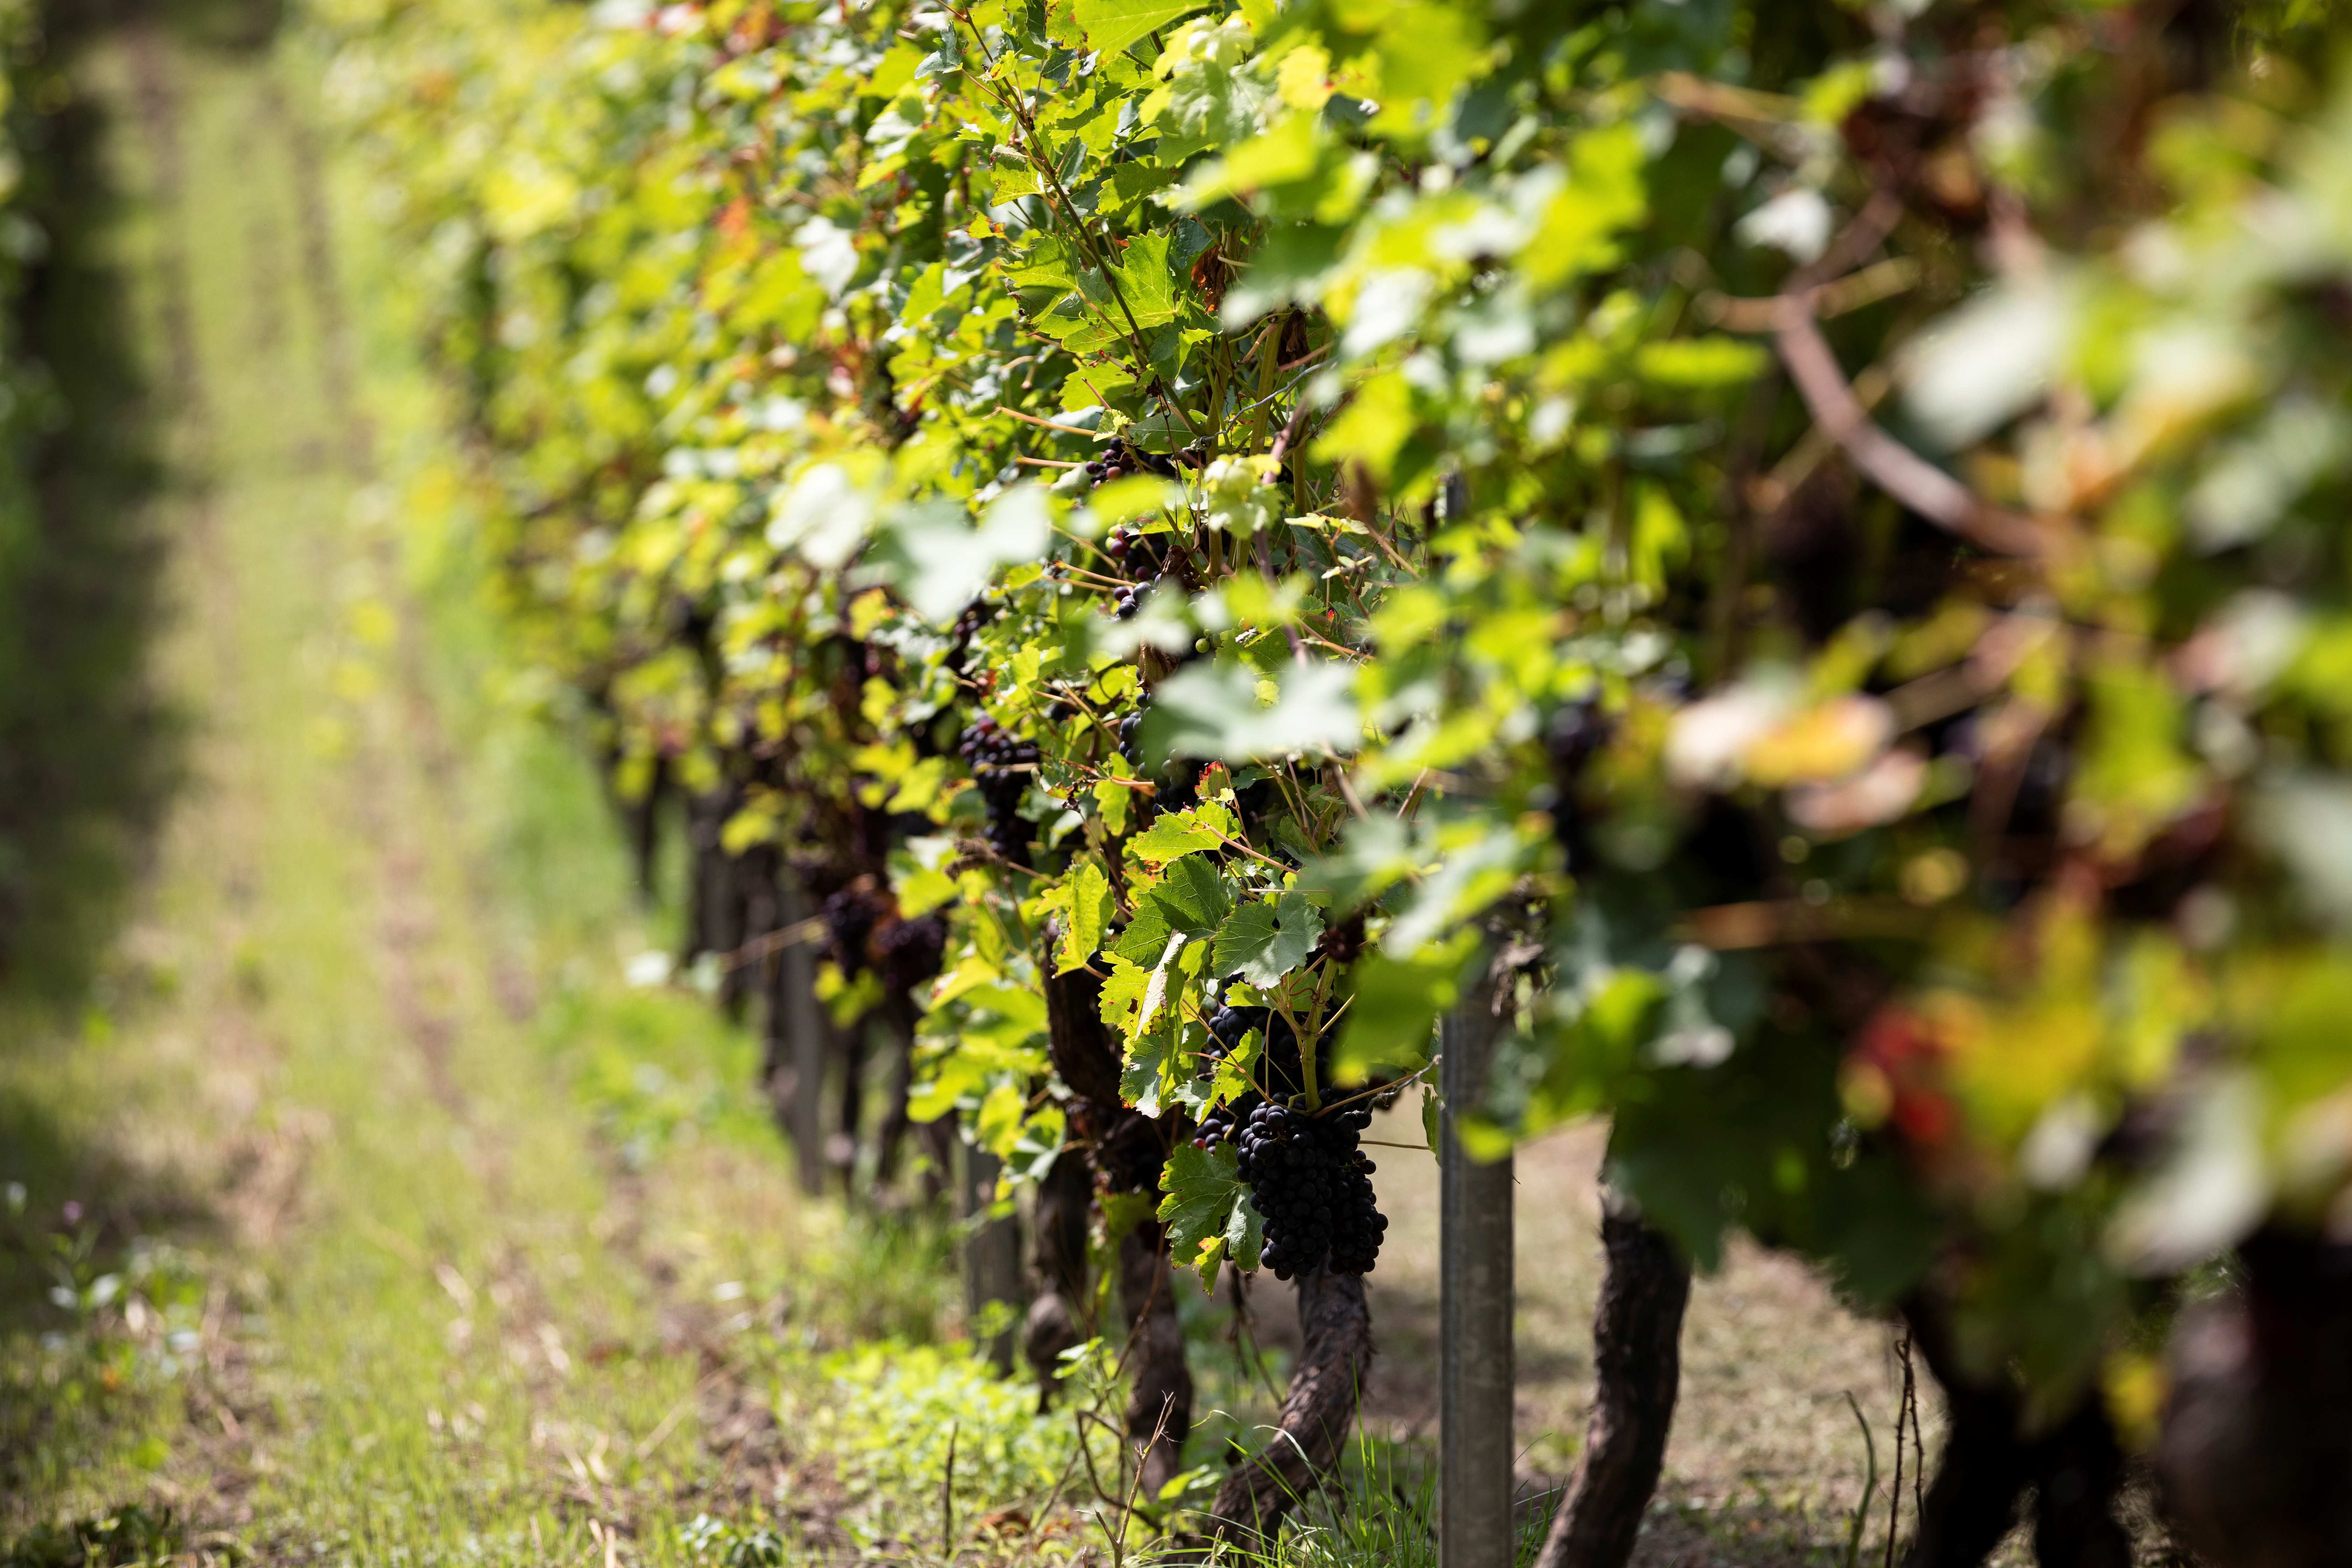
[(1396, 1006), (1147, 283), (1112, 25), (1144, 1079), (1244, 1234), (1155, 988), (1264, 942), (1086, 902), (1197, 898), (1207, 1210), (1175, 834), (1145, 936), (1193, 901), (1114, 801), (1123, 992), (1048, 264), (942, 560), (1213, 710), (1234, 1076)]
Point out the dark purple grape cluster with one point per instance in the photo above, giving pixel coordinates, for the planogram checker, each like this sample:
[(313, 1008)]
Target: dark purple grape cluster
[(1307, 1175), (849, 916), (908, 953), (1129, 600), (1124, 459), (1279, 1065), (1177, 787), (1312, 1186), (1138, 558), (1002, 765)]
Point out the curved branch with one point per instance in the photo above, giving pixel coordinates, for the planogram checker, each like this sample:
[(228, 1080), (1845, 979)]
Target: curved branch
[(1058, 1254), (1902, 473)]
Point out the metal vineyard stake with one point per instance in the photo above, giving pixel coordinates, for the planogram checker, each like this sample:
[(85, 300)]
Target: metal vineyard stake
[(1475, 1287)]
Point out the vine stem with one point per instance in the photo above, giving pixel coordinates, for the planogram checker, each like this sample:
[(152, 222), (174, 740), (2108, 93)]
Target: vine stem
[(1869, 1484), (1050, 424), (1010, 102), (947, 1499), (1903, 1409), (1902, 473)]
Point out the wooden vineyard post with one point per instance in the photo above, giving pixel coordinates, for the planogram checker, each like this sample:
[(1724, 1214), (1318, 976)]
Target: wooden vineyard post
[(1476, 1451), (992, 1255), (805, 1037)]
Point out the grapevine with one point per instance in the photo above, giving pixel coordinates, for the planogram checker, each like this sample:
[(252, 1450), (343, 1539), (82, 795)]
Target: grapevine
[(1797, 558)]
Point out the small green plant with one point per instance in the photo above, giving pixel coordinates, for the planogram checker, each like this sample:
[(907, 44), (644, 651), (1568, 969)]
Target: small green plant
[(730, 1546), (126, 1537), (923, 1436)]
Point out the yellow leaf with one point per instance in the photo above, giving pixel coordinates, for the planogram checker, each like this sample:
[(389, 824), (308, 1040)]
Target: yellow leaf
[(1305, 78), (1830, 741)]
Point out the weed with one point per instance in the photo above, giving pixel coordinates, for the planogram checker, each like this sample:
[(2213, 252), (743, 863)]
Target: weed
[(920, 1436), (724, 1544), (129, 1537)]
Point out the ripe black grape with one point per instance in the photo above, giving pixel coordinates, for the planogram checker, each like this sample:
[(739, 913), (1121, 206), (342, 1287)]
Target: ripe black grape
[(1176, 788), (908, 953), (974, 616), (1002, 765), (849, 916)]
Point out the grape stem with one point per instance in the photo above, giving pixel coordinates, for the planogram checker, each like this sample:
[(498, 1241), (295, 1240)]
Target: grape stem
[(1383, 1089)]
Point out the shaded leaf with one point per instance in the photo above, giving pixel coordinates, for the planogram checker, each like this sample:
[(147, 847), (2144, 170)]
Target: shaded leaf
[(1397, 1003), (1264, 942)]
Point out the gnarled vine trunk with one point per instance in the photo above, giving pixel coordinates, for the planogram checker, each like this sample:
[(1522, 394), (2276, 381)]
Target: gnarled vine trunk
[(850, 1043), (1058, 1255), (1637, 1370), (1987, 1464), (936, 1137), (2254, 1460), (792, 1069), (1317, 1413), (760, 912), (1159, 1401), (992, 1254)]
